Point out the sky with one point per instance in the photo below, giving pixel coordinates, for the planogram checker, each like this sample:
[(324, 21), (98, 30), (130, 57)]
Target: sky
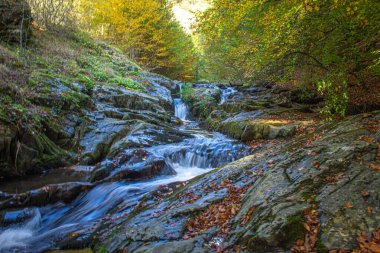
[(184, 11)]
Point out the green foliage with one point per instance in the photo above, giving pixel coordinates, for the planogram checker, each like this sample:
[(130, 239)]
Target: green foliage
[(297, 41), (101, 76), (128, 83), (336, 98), (188, 93), (145, 30)]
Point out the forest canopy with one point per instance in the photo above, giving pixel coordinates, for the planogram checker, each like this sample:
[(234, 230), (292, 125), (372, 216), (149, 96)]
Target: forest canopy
[(326, 44), (145, 30), (328, 48)]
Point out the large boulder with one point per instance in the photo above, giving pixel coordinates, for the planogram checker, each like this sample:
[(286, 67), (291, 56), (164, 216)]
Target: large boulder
[(23, 151), (15, 20), (249, 126)]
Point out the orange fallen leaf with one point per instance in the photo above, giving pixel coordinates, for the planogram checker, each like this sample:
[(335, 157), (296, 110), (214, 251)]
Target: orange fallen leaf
[(364, 194), (374, 166), (348, 205), (366, 138)]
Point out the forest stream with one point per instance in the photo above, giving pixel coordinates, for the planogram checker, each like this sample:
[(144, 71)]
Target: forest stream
[(36, 229)]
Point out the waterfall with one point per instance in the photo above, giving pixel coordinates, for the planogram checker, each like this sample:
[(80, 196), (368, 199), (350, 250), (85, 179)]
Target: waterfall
[(17, 236), (181, 109), (202, 152), (226, 94)]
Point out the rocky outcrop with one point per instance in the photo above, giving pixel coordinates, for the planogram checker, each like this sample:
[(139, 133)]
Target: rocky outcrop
[(15, 21), (251, 113), (248, 127), (48, 194), (331, 167), (23, 150)]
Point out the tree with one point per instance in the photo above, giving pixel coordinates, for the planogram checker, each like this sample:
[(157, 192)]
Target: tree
[(145, 30), (303, 42)]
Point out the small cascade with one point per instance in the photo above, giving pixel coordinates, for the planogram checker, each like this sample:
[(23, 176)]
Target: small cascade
[(203, 152), (226, 94), (181, 109), (18, 236)]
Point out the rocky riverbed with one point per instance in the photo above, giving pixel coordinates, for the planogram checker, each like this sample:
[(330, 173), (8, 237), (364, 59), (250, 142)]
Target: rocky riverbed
[(98, 155)]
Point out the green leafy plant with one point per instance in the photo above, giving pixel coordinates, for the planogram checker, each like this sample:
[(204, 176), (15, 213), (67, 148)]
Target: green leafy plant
[(336, 98), (128, 83), (101, 76), (187, 93)]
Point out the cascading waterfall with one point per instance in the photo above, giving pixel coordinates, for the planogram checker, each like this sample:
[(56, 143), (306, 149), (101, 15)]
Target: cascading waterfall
[(203, 152), (181, 109), (49, 224), (226, 94)]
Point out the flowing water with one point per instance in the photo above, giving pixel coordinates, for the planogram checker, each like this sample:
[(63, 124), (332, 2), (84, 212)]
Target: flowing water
[(39, 229), (226, 94), (181, 109)]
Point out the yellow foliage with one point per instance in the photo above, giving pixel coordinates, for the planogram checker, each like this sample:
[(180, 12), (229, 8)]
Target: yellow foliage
[(145, 30)]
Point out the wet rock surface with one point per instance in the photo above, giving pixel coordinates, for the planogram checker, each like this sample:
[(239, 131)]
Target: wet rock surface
[(248, 113), (329, 167)]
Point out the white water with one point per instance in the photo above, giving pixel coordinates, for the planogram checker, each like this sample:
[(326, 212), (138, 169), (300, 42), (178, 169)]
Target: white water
[(189, 158), (58, 220), (181, 109), (226, 94)]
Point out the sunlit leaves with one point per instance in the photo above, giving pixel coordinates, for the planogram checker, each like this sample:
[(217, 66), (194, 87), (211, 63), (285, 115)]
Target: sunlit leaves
[(303, 42), (145, 30)]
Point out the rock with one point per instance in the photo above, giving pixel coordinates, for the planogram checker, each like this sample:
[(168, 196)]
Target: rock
[(15, 20), (25, 151), (133, 164), (124, 98), (240, 127), (47, 195), (98, 141), (283, 181), (146, 135), (18, 216), (281, 194), (163, 81)]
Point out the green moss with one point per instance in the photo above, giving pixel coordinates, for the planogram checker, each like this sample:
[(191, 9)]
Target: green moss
[(128, 83), (187, 92), (101, 76), (101, 249), (134, 73), (294, 229), (84, 80)]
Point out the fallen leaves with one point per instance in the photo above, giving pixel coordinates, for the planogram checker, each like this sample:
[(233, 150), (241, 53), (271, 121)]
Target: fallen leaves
[(218, 214), (374, 166), (364, 194), (333, 180), (248, 215), (366, 138), (367, 243), (348, 205), (312, 225)]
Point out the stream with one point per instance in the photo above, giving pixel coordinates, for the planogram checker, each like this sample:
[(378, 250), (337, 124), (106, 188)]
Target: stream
[(38, 229)]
